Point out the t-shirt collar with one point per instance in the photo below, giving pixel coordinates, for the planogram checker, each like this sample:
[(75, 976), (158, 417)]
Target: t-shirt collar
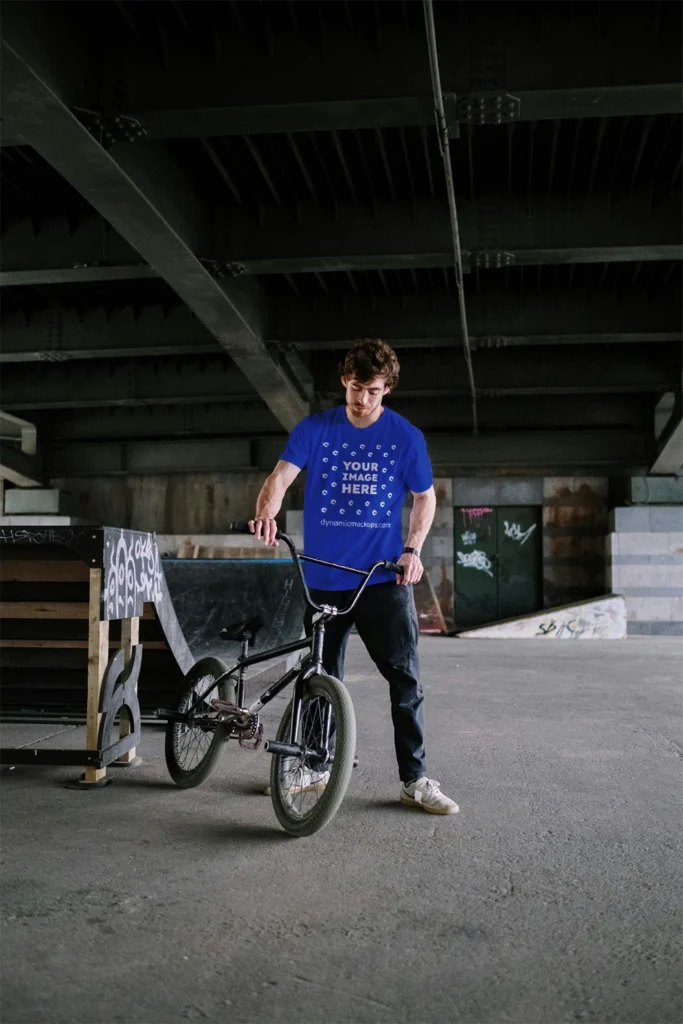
[(361, 430)]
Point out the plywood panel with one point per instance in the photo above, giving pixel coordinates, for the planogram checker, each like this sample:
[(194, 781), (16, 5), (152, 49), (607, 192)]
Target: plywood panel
[(43, 572)]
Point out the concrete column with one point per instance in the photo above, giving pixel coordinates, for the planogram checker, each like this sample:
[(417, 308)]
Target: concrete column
[(645, 564)]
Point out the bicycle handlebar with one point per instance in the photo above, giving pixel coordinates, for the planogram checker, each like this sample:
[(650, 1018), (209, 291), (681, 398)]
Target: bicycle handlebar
[(239, 527), (243, 528)]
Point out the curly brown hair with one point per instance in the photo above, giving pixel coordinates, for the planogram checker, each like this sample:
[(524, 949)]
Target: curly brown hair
[(371, 357)]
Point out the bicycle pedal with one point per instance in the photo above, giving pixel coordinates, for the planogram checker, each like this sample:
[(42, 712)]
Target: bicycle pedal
[(224, 706)]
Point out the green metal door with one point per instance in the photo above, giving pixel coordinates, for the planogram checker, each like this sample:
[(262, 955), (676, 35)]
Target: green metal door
[(520, 563), (498, 563), (476, 566)]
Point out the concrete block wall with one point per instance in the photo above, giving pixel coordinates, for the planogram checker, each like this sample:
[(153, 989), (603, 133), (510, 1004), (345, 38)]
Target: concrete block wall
[(644, 552), (575, 514), (575, 524), (180, 503), (437, 553), (193, 508)]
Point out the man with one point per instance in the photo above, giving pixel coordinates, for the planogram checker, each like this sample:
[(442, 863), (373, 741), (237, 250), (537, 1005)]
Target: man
[(362, 458)]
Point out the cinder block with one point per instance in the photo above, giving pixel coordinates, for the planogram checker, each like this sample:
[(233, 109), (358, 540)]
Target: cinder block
[(41, 521), (443, 486), (443, 518), (666, 519), (643, 575), (477, 492), (295, 522), (35, 501), (558, 489), (612, 544), (630, 520), (666, 628), (677, 575), (441, 547), (643, 543), (676, 543), (656, 490), (650, 608)]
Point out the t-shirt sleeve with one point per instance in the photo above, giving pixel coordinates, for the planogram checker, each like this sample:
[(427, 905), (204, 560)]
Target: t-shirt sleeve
[(418, 476), (297, 450)]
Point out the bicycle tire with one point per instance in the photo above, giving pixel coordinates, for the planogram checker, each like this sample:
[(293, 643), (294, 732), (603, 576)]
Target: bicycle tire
[(340, 772), (183, 777)]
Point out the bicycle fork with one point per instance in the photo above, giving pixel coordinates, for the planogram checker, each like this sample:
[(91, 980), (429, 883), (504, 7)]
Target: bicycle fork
[(293, 748)]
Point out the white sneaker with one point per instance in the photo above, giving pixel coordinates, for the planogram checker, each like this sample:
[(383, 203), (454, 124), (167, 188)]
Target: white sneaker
[(425, 793), (307, 782)]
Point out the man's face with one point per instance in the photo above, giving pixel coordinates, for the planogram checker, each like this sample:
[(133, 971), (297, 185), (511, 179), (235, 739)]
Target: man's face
[(364, 398)]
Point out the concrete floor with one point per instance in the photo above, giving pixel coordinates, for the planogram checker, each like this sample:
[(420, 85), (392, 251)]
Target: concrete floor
[(553, 896)]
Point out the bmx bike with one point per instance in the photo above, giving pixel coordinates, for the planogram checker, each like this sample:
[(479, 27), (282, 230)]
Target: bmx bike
[(314, 749)]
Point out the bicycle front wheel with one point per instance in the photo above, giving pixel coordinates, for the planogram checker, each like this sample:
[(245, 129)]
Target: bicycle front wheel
[(307, 794), (192, 748)]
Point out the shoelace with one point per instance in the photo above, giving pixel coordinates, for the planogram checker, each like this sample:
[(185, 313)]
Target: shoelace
[(432, 787)]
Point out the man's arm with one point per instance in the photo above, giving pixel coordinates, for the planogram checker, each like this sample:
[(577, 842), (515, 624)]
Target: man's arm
[(269, 502), (421, 519)]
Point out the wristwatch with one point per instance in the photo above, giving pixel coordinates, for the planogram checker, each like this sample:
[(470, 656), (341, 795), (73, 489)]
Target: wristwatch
[(411, 551)]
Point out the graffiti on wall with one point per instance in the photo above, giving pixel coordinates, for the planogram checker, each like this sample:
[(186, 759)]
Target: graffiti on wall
[(475, 560), (595, 622), (514, 531), (603, 618), (469, 538), (475, 516)]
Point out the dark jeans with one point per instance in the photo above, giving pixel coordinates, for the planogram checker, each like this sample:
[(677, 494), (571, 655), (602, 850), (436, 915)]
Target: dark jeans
[(386, 621)]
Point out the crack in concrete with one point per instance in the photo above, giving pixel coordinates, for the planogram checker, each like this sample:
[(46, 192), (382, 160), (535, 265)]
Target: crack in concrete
[(41, 739)]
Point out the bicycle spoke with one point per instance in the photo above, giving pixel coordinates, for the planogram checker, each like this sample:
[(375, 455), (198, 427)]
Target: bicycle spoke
[(298, 776), (192, 742)]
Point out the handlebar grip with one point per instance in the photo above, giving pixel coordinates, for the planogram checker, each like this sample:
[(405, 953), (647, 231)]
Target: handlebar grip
[(393, 567), (238, 527)]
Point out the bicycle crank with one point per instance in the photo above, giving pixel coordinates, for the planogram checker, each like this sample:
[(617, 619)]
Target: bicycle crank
[(246, 726)]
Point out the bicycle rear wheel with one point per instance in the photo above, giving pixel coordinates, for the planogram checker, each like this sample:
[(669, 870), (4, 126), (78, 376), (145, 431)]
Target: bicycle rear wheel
[(192, 749), (307, 794)]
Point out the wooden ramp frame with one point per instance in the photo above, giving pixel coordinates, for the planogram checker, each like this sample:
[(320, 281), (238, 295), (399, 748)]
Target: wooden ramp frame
[(125, 582)]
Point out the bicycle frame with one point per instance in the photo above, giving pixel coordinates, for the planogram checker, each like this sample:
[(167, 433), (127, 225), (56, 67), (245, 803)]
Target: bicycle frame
[(312, 665)]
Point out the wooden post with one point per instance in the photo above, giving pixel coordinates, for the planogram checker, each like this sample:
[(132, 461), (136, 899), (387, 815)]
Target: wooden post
[(98, 654), (130, 636)]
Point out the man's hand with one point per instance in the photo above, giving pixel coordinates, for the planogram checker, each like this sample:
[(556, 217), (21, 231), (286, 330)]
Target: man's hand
[(265, 530), (412, 569)]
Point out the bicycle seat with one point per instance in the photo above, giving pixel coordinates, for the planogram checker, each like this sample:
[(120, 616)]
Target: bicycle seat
[(246, 629)]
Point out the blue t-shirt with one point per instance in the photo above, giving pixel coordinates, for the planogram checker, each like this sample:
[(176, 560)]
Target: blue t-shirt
[(356, 484)]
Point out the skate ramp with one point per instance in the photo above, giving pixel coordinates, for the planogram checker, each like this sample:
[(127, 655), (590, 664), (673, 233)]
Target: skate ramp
[(601, 618)]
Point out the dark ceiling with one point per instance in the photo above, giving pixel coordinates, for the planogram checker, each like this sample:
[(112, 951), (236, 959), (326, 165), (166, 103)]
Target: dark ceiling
[(204, 203)]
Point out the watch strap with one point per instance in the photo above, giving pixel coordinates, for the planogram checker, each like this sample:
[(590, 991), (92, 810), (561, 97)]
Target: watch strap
[(411, 551)]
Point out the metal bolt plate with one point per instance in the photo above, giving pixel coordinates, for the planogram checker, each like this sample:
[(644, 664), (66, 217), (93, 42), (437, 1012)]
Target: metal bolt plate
[(489, 108)]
